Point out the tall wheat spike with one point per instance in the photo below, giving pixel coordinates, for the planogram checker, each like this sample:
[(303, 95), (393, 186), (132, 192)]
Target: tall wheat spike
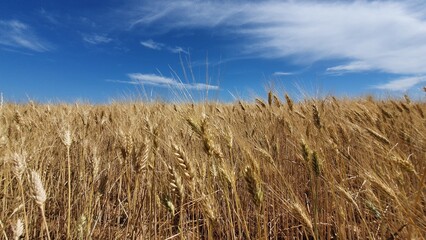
[(19, 165), (67, 141), (39, 196), (316, 116), (185, 165), (378, 136), (289, 102), (18, 229), (254, 185)]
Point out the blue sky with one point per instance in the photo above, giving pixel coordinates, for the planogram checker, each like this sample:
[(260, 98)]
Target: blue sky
[(103, 50)]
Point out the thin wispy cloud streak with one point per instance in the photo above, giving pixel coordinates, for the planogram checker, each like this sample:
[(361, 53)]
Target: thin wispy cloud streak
[(384, 36), (351, 67), (165, 82), (49, 17), (151, 44), (16, 34), (402, 84), (283, 73), (96, 39), (177, 50)]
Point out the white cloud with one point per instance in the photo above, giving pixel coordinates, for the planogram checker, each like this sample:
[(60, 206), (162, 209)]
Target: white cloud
[(357, 66), (96, 39), (16, 34), (161, 81), (177, 50), (160, 46), (49, 17), (283, 73), (152, 45), (402, 84), (386, 36), (151, 79)]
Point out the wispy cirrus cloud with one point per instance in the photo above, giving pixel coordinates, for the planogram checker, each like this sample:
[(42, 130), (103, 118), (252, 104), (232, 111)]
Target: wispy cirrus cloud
[(402, 84), (16, 34), (177, 50), (356, 66), (383, 36), (49, 17), (96, 39), (283, 73), (161, 81), (151, 44)]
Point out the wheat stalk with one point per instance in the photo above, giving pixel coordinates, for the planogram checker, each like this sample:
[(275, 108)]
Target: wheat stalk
[(167, 203), (260, 102), (404, 164), (195, 126), (378, 136), (242, 106), (316, 116), (208, 207), (254, 185), (306, 152), (19, 165), (175, 183), (143, 160), (177, 189), (67, 141), (229, 176), (301, 214), (38, 192), (39, 196), (300, 114), (289, 102), (266, 154), (229, 139), (316, 164), (270, 98), (277, 101), (18, 229), (95, 164), (185, 165)]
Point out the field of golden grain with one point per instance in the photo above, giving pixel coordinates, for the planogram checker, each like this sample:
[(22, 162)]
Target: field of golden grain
[(316, 169)]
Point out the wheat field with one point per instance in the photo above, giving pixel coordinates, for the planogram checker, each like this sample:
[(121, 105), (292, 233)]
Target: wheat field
[(275, 169)]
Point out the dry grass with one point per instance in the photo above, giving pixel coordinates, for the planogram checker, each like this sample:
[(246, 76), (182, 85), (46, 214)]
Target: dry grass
[(317, 169)]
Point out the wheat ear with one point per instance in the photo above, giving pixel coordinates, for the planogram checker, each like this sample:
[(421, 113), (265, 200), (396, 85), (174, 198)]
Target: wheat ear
[(67, 141), (254, 185), (39, 196), (289, 102), (19, 165), (185, 165), (18, 229)]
